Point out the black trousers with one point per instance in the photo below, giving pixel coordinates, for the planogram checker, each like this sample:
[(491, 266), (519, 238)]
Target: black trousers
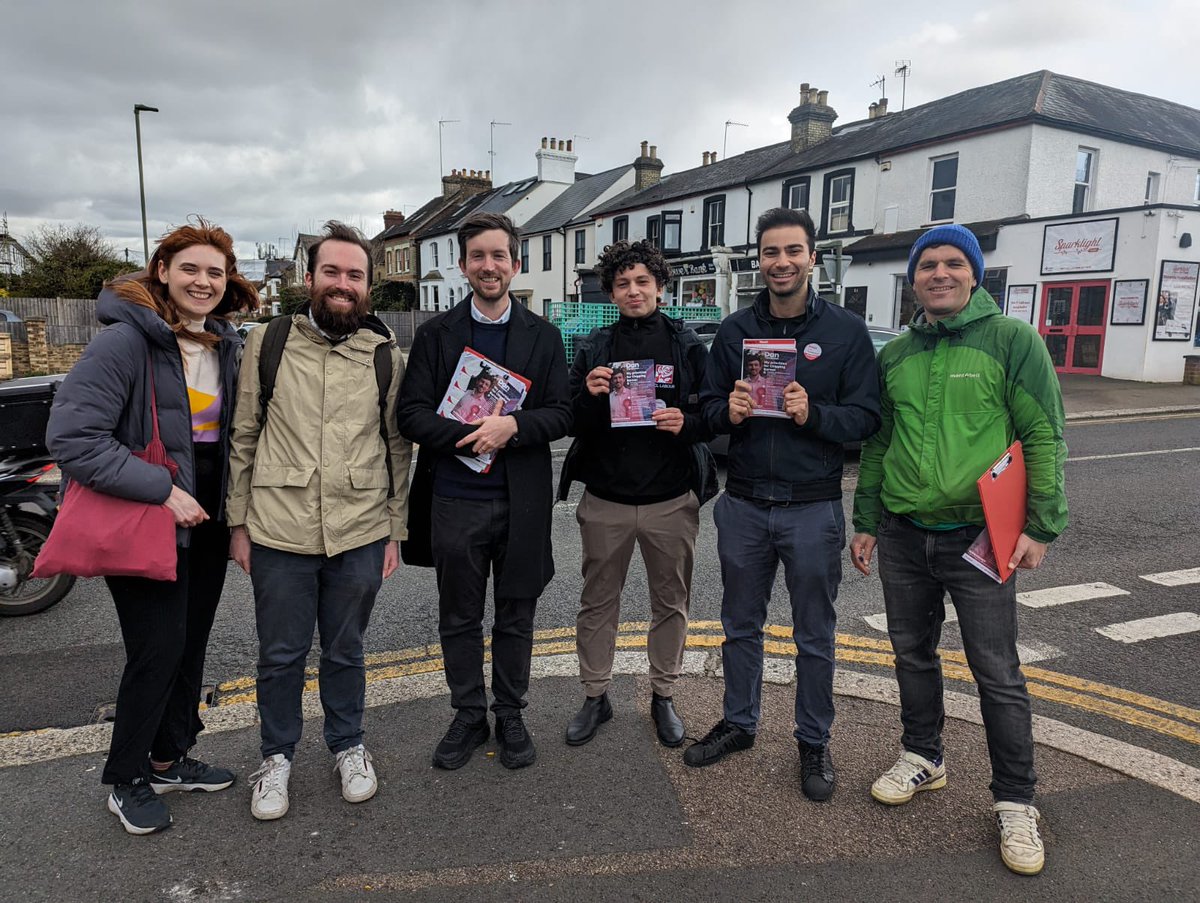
[(165, 627), (470, 538)]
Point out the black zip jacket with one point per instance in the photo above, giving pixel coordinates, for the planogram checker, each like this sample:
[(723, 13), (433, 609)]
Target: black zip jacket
[(772, 459), (590, 418)]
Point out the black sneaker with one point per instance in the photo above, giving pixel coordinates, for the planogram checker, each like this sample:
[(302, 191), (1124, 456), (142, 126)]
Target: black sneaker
[(516, 746), (460, 741), (190, 774), (140, 810), (723, 739), (816, 772)]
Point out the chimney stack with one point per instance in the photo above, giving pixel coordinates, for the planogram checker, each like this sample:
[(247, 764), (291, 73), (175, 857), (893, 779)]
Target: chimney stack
[(812, 121), (556, 163), (872, 110), (392, 218), (647, 169), (475, 180), (705, 163), (570, 145), (881, 108)]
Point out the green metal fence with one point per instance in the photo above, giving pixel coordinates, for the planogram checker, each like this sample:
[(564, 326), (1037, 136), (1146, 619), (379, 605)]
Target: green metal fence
[(575, 319)]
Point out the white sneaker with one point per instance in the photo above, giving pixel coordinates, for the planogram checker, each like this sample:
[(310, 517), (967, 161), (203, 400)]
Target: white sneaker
[(1020, 845), (270, 798), (910, 774), (358, 777)]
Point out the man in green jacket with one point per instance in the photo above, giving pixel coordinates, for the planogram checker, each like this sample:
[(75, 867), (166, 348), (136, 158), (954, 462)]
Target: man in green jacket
[(957, 389)]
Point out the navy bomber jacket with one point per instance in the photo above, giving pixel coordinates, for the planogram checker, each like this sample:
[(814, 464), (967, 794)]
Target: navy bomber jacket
[(774, 460)]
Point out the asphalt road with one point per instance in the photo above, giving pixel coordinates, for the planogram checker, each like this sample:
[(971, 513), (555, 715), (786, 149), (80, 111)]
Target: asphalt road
[(1133, 501)]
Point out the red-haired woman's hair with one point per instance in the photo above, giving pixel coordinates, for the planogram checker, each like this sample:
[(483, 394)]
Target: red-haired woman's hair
[(145, 289)]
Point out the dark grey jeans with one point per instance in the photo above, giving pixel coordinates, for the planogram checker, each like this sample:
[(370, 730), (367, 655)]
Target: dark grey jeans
[(918, 567), (751, 541), (292, 594)]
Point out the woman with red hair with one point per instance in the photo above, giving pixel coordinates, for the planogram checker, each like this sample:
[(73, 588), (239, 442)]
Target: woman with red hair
[(168, 338)]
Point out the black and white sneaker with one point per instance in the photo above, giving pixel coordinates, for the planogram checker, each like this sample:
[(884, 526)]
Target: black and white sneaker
[(140, 810), (190, 774)]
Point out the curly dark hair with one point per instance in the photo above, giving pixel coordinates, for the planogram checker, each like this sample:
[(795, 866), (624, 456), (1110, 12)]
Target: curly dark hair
[(623, 255)]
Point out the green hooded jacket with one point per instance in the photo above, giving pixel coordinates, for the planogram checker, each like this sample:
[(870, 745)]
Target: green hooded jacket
[(954, 395)]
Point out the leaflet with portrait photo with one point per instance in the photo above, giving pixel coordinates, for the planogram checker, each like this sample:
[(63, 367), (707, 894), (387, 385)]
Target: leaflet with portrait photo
[(481, 388), (769, 366), (631, 395)]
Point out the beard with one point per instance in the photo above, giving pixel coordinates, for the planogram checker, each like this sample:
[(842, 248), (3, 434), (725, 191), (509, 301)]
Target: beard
[(335, 321)]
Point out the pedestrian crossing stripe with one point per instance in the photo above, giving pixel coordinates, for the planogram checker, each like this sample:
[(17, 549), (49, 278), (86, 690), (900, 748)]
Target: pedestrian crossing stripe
[(1061, 595), (1152, 628), (1174, 578)]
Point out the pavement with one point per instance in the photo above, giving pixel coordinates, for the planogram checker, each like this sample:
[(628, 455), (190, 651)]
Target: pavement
[(621, 818)]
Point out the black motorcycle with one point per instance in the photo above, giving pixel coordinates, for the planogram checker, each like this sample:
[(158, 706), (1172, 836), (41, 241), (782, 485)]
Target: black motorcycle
[(28, 495), (28, 503)]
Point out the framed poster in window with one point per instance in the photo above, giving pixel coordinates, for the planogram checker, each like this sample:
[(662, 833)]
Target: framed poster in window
[(1019, 302), (1176, 300), (1087, 247), (1129, 302)]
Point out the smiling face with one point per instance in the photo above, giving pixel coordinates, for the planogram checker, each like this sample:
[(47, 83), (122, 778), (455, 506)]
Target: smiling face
[(195, 280), (753, 368), (338, 285), (943, 281), (636, 292), (618, 379), (785, 260), (489, 265)]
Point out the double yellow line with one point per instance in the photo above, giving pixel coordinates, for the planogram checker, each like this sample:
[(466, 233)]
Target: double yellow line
[(1127, 706)]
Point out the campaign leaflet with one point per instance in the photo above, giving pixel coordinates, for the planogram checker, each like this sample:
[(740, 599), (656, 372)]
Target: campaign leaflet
[(983, 557), (769, 366), (631, 396), (481, 388)]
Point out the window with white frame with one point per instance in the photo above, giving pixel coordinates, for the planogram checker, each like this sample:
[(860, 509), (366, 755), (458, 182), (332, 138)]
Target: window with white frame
[(714, 221), (620, 228), (1196, 197), (436, 302), (433, 245), (1152, 180), (389, 262), (840, 190), (672, 231), (654, 230), (1085, 177), (450, 251), (943, 187), (795, 193)]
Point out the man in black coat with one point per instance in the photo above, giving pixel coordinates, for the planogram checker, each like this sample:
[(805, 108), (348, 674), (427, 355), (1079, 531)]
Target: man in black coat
[(465, 523)]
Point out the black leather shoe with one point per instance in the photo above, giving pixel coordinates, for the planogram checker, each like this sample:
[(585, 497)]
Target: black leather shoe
[(668, 724), (723, 739), (817, 777), (460, 741), (596, 710)]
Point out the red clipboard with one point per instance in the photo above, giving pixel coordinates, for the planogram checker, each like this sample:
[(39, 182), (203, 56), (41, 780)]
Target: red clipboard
[(1003, 492)]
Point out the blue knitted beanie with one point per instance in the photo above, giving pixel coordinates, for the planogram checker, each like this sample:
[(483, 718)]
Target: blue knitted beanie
[(956, 235)]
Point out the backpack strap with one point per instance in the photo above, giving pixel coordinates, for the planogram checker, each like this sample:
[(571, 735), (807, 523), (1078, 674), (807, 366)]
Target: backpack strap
[(269, 356), (383, 381)]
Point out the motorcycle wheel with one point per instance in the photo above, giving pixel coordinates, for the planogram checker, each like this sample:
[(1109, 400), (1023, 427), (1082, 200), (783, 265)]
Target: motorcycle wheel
[(31, 595)]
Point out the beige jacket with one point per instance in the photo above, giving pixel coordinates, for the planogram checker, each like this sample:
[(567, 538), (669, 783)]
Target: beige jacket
[(315, 480)]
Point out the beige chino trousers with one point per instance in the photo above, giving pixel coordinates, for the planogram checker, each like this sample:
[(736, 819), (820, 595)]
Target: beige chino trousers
[(666, 533)]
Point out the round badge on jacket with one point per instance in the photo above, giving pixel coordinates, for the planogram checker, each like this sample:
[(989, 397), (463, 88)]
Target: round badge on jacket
[(812, 351)]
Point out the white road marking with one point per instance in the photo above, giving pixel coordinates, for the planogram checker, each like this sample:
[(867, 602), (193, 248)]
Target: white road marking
[(879, 621), (1159, 451), (1152, 628), (1174, 578), (1033, 651), (1061, 595)]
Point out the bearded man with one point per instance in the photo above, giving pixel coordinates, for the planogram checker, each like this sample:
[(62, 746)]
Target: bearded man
[(317, 503)]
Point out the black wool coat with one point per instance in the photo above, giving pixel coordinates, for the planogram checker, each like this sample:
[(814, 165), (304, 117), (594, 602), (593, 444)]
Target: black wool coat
[(535, 351)]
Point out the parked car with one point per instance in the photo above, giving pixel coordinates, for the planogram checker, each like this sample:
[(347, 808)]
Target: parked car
[(703, 327), (880, 336), (244, 329)]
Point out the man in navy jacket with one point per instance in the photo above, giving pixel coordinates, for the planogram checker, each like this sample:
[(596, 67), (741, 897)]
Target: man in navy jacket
[(782, 499)]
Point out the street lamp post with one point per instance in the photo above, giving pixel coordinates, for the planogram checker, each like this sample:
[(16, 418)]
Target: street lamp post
[(138, 110)]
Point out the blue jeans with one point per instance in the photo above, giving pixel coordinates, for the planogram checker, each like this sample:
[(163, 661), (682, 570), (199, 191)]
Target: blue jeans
[(751, 541), (918, 567), (292, 594)]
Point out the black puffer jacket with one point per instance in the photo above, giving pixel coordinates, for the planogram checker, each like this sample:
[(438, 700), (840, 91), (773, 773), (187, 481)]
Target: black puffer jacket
[(101, 413)]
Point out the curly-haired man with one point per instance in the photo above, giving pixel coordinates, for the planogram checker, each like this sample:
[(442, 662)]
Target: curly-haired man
[(645, 485)]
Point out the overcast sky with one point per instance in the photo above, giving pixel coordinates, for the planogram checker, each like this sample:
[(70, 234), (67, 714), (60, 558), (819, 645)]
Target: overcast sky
[(277, 116)]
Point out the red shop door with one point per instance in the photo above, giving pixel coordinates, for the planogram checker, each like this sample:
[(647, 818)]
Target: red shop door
[(1072, 323)]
